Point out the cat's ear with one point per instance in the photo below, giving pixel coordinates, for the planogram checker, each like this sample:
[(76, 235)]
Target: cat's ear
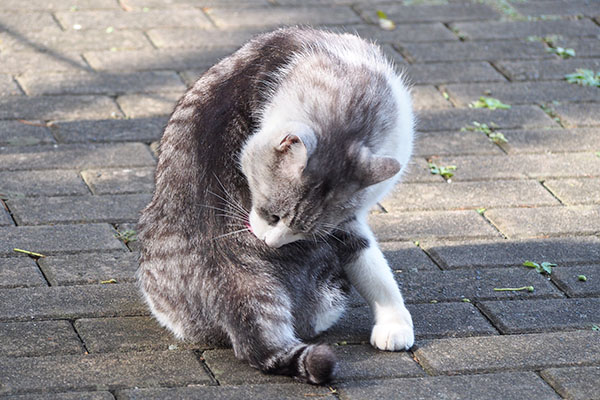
[(294, 149), (374, 169)]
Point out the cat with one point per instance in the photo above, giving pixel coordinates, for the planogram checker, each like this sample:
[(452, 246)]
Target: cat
[(266, 173)]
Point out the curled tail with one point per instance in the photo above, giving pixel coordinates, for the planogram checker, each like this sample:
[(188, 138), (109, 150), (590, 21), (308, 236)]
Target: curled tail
[(308, 363)]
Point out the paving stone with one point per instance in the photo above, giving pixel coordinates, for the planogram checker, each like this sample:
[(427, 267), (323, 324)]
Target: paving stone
[(575, 191), (465, 195), (567, 280), (8, 86), (265, 17), (34, 5), (546, 221), (164, 59), (459, 72), (103, 83), (63, 396), (478, 387), (497, 353), (76, 156), (69, 302), (194, 38), (407, 256), (584, 114), (505, 253), (475, 51), (57, 40), (523, 29), (551, 140), (15, 133), (109, 130), (418, 171), (524, 316), (428, 13), (520, 166), (89, 268), (284, 391), (188, 17), (59, 239), (455, 119), (148, 105), (5, 219), (39, 338), (429, 144), (577, 383), (103, 335), (431, 224), (20, 272), (473, 284), (18, 22), (423, 32), (562, 8), (101, 371), (16, 184), (140, 4), (584, 47), (545, 69), (24, 61), (228, 370), (120, 181), (52, 210), (428, 97), (57, 107)]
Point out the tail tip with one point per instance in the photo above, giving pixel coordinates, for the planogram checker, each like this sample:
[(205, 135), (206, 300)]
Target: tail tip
[(320, 364)]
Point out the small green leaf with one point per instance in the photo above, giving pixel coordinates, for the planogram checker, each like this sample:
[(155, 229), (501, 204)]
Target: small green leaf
[(481, 210), (582, 278), (112, 280), (489, 102), (110, 29), (381, 14), (597, 154), (466, 300), (433, 301), (584, 77), (547, 267), (531, 264), (595, 328)]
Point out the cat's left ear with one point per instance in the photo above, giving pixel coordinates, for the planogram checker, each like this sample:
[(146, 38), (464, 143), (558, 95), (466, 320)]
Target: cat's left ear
[(294, 149), (374, 169)]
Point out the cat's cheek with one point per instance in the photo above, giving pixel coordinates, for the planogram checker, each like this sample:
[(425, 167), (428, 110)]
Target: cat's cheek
[(257, 225)]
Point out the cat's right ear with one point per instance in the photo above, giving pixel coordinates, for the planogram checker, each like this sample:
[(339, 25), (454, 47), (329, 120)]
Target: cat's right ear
[(295, 148)]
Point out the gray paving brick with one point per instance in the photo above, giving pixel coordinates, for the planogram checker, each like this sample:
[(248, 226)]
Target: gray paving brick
[(228, 370), (406, 256), (464, 195), (427, 13), (505, 253), (52, 210), (58, 40), (140, 4), (89, 268), (567, 280), (69, 302), (475, 51), (59, 239), (265, 17), (577, 383), (64, 396), (36, 84), (423, 32), (575, 191), (100, 19), (545, 69), (478, 387), (163, 59), (20, 272), (26, 133), (523, 29), (551, 140), (34, 5), (8, 86), (18, 22), (285, 391), (101, 371), (429, 144), (524, 316), (522, 166), (458, 72), (585, 114), (431, 224), (109, 130), (516, 117), (584, 47), (148, 105), (57, 107), (473, 284), (561, 7), (546, 221), (76, 156), (24, 61), (5, 219), (103, 335), (194, 38), (120, 181), (39, 338), (428, 98), (16, 184), (497, 353)]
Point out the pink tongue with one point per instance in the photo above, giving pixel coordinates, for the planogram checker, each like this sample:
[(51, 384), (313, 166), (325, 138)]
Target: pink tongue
[(249, 227)]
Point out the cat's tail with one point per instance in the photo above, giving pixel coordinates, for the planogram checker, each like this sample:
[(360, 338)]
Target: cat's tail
[(309, 363)]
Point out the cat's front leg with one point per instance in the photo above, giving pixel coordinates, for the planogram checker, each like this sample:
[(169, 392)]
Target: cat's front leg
[(371, 276)]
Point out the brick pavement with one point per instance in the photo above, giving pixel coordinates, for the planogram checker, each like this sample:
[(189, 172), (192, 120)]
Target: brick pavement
[(85, 88)]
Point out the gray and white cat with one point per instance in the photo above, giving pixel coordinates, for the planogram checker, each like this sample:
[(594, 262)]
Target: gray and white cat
[(258, 225)]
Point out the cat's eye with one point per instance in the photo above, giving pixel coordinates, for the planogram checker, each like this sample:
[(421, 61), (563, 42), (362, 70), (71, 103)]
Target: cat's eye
[(273, 219)]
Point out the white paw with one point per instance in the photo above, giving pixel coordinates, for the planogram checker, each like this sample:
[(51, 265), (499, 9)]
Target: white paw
[(392, 336)]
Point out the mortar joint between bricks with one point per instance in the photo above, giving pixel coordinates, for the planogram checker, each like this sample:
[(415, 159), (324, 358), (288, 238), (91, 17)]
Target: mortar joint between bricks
[(202, 362)]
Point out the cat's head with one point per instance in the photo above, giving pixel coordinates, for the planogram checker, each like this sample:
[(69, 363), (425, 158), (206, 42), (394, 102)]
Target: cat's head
[(303, 189)]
